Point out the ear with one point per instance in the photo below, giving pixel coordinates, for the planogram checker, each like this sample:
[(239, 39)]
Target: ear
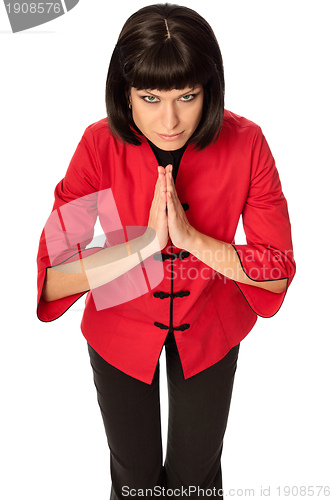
[(129, 98)]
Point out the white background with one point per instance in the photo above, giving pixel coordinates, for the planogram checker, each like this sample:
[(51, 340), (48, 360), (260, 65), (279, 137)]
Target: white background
[(277, 62)]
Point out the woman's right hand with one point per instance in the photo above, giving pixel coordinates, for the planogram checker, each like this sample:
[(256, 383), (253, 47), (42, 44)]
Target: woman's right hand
[(158, 215)]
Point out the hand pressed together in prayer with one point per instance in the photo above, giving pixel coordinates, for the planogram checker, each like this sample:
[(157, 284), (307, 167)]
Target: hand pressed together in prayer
[(167, 216)]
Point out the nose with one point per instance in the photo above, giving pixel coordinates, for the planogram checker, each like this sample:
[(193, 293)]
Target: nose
[(169, 117)]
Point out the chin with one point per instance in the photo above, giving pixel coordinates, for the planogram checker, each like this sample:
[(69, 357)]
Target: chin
[(170, 147)]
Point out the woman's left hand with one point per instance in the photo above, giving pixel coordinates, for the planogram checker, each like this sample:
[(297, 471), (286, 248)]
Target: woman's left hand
[(179, 229)]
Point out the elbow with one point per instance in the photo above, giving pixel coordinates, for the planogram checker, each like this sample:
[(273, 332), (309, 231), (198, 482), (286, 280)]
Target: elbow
[(46, 296), (278, 286), (281, 288)]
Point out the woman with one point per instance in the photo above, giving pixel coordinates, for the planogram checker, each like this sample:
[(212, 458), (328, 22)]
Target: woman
[(169, 173)]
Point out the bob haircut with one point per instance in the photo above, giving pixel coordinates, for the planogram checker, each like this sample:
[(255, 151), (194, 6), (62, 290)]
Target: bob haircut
[(165, 47)]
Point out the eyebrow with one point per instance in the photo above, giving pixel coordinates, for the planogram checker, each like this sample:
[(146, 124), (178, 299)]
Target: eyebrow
[(154, 95)]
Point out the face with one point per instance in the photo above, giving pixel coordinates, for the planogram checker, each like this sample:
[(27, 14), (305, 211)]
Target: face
[(168, 119)]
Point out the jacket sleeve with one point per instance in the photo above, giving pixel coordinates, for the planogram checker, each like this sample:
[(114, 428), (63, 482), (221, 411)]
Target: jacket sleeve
[(70, 227), (268, 254)]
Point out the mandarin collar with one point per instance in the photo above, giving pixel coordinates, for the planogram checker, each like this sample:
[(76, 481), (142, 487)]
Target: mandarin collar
[(176, 153)]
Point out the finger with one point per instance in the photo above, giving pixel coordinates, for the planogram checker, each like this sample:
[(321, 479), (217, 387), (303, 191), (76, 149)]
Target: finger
[(171, 209), (161, 173), (171, 198), (169, 182), (156, 184), (161, 213), (161, 199), (162, 178), (156, 188), (169, 171), (156, 196), (171, 188)]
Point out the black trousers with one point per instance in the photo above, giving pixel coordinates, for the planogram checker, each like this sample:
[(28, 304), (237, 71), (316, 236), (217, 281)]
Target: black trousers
[(198, 413)]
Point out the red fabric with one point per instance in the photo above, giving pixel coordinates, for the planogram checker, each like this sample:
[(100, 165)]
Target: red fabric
[(236, 175)]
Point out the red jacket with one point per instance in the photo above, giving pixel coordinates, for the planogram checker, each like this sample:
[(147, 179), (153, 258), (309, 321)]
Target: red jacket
[(126, 321)]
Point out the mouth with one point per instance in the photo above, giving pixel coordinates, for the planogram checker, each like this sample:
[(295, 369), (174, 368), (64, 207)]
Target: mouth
[(173, 137)]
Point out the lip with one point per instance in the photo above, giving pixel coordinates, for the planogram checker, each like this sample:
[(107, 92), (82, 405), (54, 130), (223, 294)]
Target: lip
[(172, 137)]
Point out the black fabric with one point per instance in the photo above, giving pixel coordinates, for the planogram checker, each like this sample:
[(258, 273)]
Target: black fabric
[(164, 158), (198, 413)]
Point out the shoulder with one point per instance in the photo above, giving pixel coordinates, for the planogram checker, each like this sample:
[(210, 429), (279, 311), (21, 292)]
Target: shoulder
[(101, 127), (234, 121), (238, 132), (99, 135)]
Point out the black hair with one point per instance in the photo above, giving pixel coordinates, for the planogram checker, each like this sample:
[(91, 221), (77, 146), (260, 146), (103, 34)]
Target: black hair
[(165, 47)]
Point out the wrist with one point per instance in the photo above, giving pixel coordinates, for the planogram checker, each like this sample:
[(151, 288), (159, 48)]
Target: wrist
[(193, 241), (149, 243)]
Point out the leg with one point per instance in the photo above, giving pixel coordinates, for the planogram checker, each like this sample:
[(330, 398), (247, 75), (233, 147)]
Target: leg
[(198, 413), (131, 414)]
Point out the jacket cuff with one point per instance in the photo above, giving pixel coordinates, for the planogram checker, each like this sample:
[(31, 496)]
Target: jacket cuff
[(49, 311), (263, 266)]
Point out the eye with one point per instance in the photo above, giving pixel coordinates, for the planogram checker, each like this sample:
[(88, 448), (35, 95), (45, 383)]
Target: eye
[(149, 98), (187, 98), (152, 99)]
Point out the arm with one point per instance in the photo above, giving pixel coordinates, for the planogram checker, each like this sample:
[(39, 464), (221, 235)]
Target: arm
[(70, 229), (224, 259), (266, 263), (217, 254), (95, 270), (98, 269)]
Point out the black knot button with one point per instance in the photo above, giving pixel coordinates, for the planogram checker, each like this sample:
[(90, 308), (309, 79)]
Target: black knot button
[(183, 327), (183, 254), (182, 293), (165, 295), (161, 295), (161, 325), (163, 256)]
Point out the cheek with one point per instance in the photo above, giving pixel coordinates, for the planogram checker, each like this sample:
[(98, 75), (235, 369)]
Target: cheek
[(138, 116), (199, 113), (194, 116), (143, 116)]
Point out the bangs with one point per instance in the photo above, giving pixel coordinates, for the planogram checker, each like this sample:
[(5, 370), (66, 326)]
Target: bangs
[(165, 68)]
